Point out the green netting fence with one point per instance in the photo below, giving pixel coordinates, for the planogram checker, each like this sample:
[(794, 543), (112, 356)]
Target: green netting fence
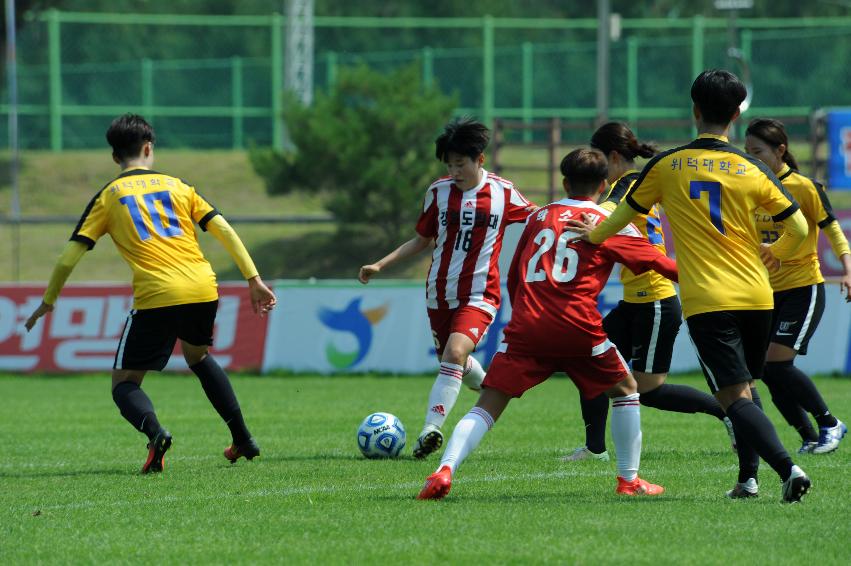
[(216, 81)]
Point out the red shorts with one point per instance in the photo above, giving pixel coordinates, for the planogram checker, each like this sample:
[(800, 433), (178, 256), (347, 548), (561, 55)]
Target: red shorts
[(469, 321), (515, 374)]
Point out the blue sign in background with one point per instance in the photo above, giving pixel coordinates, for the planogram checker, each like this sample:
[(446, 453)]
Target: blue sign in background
[(839, 152)]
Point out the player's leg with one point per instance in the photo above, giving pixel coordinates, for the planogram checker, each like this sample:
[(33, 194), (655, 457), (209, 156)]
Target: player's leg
[(509, 376), (654, 330), (798, 313), (196, 336), (731, 346), (456, 334), (595, 411), (146, 344), (607, 371)]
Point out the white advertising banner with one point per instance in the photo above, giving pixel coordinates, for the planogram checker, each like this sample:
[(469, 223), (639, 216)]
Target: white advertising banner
[(346, 327)]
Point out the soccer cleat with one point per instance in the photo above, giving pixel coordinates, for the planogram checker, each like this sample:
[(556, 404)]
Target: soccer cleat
[(437, 485), (796, 486), (427, 443), (582, 453), (638, 487), (729, 424), (829, 437), (807, 447), (249, 450), (744, 490), (156, 451)]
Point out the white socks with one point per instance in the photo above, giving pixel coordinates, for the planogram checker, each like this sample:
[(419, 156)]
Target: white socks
[(474, 374), (443, 394), (626, 433), (466, 436)]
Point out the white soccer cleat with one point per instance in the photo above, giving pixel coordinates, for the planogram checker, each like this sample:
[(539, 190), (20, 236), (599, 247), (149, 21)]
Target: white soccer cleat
[(829, 437), (796, 486), (582, 453), (744, 490), (429, 441)]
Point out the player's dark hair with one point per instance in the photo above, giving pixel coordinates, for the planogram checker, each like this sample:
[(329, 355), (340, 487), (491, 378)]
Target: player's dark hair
[(718, 94), (584, 170), (773, 133), (464, 136), (616, 136), (127, 134)]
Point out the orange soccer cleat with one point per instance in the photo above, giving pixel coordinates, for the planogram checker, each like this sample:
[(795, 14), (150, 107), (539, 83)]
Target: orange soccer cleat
[(638, 487), (157, 448), (248, 450), (437, 485)]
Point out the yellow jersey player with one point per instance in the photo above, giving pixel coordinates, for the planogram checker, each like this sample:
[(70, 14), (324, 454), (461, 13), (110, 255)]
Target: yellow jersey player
[(710, 191), (151, 218), (644, 325), (798, 291)]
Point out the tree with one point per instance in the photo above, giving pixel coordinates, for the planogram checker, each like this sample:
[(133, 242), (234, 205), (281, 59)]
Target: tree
[(366, 147)]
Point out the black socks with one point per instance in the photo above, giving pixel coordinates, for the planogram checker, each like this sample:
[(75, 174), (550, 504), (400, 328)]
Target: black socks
[(682, 399), (755, 435), (217, 386), (595, 412), (136, 407), (798, 388)]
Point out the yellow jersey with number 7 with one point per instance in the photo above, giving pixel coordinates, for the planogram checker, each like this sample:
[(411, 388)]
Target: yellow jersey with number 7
[(151, 218), (710, 191)]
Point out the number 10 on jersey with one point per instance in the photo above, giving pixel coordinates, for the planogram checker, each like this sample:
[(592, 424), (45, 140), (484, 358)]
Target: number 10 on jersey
[(168, 229)]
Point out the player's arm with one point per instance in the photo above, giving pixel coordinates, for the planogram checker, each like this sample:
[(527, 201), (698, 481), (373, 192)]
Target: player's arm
[(839, 245), (616, 222), (410, 248), (513, 277), (639, 256), (262, 298), (794, 234), (68, 259)]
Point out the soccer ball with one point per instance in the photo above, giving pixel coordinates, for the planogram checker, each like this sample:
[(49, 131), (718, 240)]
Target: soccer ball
[(381, 435)]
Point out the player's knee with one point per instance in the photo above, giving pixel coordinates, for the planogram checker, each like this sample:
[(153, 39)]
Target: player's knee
[(624, 387), (194, 355), (455, 354)]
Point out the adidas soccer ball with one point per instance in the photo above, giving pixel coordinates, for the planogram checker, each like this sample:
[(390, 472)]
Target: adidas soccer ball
[(381, 435)]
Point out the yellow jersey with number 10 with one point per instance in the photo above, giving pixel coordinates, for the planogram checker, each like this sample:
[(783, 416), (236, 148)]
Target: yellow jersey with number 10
[(710, 191), (648, 286), (151, 218)]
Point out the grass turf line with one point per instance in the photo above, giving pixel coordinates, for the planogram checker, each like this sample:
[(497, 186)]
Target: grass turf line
[(70, 492)]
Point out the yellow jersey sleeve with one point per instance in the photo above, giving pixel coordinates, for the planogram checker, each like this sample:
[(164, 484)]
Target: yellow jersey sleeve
[(202, 210), (776, 200), (94, 221)]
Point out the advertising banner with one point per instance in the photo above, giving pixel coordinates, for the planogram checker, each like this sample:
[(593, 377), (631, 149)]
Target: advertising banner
[(839, 148), (83, 331), (346, 327)]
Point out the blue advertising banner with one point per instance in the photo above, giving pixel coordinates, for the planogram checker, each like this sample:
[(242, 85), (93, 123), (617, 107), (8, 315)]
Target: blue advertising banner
[(839, 144)]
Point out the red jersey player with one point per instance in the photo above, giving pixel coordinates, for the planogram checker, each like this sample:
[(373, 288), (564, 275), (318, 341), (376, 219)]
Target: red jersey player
[(464, 217), (555, 326)]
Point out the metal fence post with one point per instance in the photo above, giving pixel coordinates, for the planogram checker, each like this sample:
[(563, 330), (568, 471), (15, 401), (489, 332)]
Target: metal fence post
[(428, 67), (330, 70), (487, 70), (632, 81), (697, 46), (528, 87), (54, 40), (277, 81), (147, 87), (553, 162), (237, 101)]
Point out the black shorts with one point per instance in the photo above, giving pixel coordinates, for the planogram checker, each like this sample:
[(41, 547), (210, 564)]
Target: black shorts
[(730, 345), (796, 315), (645, 332), (150, 334)]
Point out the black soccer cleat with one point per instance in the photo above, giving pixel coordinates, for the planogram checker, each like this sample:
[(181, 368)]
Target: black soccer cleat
[(156, 451), (248, 450), (427, 443)]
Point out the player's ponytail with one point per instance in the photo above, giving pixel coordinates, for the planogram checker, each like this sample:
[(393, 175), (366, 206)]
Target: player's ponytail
[(616, 136), (773, 133)]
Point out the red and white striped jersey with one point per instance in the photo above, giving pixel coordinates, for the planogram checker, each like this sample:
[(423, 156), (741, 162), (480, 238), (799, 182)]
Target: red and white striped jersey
[(467, 227), (554, 282)]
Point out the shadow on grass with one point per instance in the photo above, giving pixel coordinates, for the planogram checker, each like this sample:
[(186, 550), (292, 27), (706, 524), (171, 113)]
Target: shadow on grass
[(322, 254), (66, 473)]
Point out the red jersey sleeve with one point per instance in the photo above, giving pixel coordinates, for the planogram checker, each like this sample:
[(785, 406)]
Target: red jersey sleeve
[(427, 223), (517, 208), (639, 256)]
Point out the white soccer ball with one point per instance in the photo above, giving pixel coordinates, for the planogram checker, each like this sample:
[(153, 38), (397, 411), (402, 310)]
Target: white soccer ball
[(381, 435)]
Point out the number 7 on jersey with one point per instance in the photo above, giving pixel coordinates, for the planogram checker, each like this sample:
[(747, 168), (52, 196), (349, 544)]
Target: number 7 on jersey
[(713, 188)]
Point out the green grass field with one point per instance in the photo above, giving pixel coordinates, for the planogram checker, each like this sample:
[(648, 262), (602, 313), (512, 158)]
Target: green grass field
[(70, 492)]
